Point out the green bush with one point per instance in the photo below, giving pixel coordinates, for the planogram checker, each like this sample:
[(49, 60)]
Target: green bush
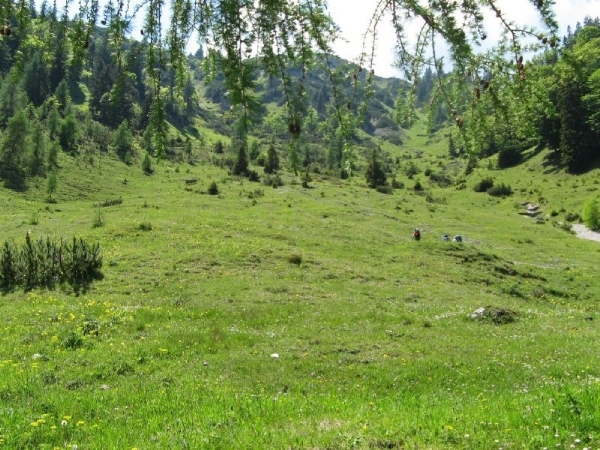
[(261, 160), (384, 189), (509, 157), (411, 169), (591, 215), (109, 202), (375, 174), (253, 175), (501, 190), (483, 185), (213, 189), (271, 164), (145, 226), (147, 165), (396, 184), (441, 179), (46, 263), (272, 180), (295, 258)]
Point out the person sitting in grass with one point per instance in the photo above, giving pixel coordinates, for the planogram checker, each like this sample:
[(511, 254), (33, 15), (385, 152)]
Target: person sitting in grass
[(417, 235)]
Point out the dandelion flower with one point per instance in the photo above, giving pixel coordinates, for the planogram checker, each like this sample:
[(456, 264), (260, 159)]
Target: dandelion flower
[(63, 423)]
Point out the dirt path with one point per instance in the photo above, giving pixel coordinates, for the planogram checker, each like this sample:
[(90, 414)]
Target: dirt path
[(584, 233)]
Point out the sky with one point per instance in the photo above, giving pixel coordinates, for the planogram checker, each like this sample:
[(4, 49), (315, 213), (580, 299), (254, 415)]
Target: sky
[(353, 17)]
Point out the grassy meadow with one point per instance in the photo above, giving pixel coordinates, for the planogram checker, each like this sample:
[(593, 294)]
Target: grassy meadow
[(305, 318)]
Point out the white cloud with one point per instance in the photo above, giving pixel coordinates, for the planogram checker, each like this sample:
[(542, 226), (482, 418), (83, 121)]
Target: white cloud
[(353, 17)]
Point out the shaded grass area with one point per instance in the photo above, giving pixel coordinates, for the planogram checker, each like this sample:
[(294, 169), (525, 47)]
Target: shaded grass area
[(175, 347)]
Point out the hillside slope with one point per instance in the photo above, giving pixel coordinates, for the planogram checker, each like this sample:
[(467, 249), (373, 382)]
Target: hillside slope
[(305, 317)]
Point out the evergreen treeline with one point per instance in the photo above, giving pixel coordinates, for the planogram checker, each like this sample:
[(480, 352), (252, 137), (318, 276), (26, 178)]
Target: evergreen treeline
[(553, 101)]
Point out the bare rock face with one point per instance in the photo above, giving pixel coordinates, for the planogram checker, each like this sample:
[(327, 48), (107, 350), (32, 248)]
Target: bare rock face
[(491, 314)]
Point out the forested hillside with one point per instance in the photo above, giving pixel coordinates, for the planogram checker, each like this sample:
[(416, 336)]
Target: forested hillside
[(80, 90)]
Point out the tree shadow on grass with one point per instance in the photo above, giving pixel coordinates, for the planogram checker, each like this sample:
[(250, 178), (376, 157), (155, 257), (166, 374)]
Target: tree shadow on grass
[(553, 163), (14, 180)]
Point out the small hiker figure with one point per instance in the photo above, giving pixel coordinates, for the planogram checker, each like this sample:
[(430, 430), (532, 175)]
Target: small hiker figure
[(445, 238), (417, 235), (457, 238)]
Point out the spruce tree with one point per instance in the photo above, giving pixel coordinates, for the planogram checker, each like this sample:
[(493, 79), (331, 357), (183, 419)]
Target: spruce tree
[(123, 143), (576, 144), (272, 162), (241, 163), (36, 80), (53, 155), (452, 148), (38, 149), (147, 164), (68, 133), (375, 174), (12, 98), (51, 184), (12, 151), (53, 121)]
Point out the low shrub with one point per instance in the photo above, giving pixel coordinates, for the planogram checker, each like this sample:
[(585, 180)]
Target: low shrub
[(396, 184), (305, 180), (295, 258), (109, 202), (98, 220), (501, 190), (147, 165), (591, 215), (483, 185), (385, 189), (45, 263), (213, 189), (441, 179), (273, 180), (411, 169), (509, 157), (439, 200), (253, 176), (256, 193), (145, 226)]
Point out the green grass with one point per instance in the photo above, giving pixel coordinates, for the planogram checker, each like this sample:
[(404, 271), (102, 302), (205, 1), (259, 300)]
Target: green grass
[(173, 348)]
